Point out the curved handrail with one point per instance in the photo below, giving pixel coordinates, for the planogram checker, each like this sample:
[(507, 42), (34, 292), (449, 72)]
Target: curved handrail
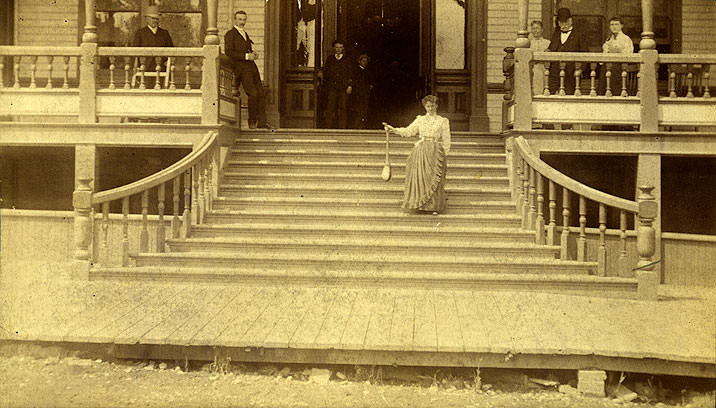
[(171, 172), (571, 184)]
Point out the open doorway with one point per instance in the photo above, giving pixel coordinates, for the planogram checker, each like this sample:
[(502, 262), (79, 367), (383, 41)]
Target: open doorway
[(389, 31)]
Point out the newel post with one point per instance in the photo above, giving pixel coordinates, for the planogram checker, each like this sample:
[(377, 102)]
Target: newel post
[(508, 70), (523, 80), (648, 279), (210, 85), (82, 203)]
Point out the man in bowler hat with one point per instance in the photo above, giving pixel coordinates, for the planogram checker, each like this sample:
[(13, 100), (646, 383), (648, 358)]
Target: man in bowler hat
[(152, 35), (566, 38)]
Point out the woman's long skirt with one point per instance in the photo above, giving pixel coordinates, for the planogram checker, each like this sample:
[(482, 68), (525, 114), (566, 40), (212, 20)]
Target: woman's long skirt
[(425, 173)]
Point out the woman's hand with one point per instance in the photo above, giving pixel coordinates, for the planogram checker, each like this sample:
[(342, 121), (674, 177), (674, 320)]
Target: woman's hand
[(388, 128)]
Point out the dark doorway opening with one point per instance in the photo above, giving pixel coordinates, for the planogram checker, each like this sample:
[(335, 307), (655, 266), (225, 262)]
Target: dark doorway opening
[(389, 32)]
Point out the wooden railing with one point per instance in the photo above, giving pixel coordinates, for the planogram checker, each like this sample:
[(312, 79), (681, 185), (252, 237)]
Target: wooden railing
[(193, 179), (596, 88), (114, 82), (530, 175)]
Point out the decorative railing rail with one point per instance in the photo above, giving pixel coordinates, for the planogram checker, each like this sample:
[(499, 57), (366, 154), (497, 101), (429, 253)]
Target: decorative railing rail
[(192, 178), (604, 89), (529, 176)]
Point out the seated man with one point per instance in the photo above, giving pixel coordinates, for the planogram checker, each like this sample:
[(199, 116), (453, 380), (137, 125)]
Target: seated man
[(618, 43), (152, 35)]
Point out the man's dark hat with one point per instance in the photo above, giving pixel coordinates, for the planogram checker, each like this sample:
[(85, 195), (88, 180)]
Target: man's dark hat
[(563, 14)]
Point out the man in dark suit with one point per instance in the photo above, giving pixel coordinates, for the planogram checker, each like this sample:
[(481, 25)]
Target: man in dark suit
[(337, 79), (566, 38), (239, 47), (152, 35), (363, 83)]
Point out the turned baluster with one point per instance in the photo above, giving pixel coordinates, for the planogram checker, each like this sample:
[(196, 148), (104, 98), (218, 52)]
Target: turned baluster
[(564, 238), (175, 207), (672, 82), (161, 234), (16, 71), (105, 233), (624, 80), (200, 190), (157, 69), (50, 61), (144, 234), (66, 75), (142, 67), (187, 70), (707, 77), (172, 73), (562, 73), (2, 69), (624, 269), (520, 187), (689, 81), (638, 84), (208, 192), (608, 75), (526, 186), (593, 79), (125, 231), (127, 68), (539, 226), (195, 194), (33, 71), (582, 240), (577, 78), (532, 217), (186, 222), (552, 226), (602, 252), (546, 79), (111, 73)]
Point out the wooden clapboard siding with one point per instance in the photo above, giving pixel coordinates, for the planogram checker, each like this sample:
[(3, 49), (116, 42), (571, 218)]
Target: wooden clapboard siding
[(502, 28), (502, 25), (46, 22), (699, 27), (254, 26)]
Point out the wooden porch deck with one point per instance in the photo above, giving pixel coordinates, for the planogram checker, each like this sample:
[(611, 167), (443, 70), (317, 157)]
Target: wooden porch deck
[(362, 326)]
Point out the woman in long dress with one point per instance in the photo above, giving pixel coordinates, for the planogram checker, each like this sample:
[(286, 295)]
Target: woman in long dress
[(426, 166)]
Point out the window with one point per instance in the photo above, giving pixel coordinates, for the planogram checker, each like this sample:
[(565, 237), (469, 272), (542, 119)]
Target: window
[(450, 34)]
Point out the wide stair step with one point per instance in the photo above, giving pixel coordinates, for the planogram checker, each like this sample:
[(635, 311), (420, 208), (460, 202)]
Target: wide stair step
[(231, 179), (373, 144), (358, 157)]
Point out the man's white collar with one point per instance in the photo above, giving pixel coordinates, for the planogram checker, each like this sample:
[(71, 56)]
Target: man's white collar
[(154, 30)]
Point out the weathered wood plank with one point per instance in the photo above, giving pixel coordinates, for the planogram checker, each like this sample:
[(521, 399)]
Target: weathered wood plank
[(134, 304), (447, 322), (169, 310), (289, 317), (357, 325), (307, 331), (403, 322), (329, 336), (499, 334), (236, 309), (235, 333), (377, 335), (179, 316), (425, 336), (209, 311), (473, 321)]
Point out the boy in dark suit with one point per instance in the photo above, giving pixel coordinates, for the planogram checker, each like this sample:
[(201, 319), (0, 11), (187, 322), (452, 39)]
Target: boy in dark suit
[(337, 76), (565, 38), (238, 47)]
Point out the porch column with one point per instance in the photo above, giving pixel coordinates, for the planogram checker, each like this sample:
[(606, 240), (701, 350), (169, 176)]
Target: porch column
[(649, 94), (477, 35), (647, 20), (212, 30), (90, 32), (523, 40), (523, 80), (272, 51)]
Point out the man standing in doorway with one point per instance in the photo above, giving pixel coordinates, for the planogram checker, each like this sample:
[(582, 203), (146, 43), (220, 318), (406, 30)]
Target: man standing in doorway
[(239, 48), (337, 79)]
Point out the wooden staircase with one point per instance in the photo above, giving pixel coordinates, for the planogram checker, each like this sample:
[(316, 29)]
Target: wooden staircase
[(307, 206)]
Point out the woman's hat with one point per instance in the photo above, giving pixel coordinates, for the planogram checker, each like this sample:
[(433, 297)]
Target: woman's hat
[(152, 11), (563, 14)]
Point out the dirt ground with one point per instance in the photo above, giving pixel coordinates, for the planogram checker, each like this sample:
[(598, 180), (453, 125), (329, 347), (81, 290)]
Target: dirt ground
[(74, 382)]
